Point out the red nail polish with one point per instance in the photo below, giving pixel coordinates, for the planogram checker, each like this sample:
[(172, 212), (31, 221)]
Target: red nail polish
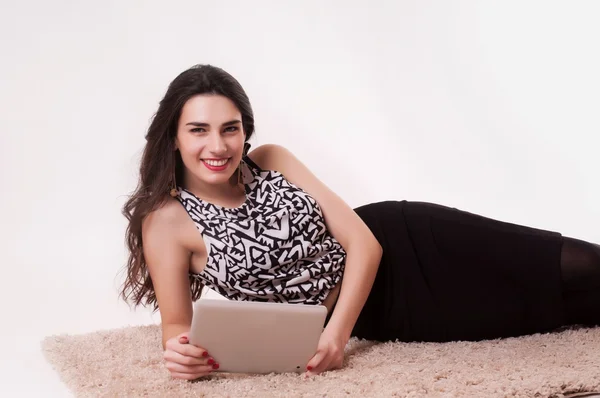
[(211, 361), (309, 368), (216, 366), (205, 354)]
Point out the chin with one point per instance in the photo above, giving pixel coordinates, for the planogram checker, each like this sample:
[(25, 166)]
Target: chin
[(215, 179)]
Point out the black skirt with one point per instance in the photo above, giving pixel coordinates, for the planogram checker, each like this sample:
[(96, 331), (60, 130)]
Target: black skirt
[(449, 275)]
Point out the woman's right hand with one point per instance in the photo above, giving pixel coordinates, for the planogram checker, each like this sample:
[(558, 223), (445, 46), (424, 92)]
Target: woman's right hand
[(187, 361)]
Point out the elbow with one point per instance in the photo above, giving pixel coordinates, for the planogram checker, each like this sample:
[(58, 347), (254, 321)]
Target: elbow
[(374, 248), (372, 244), (377, 251), (369, 246)]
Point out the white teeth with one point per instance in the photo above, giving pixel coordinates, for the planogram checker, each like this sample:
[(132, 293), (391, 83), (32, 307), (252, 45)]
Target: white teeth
[(216, 163)]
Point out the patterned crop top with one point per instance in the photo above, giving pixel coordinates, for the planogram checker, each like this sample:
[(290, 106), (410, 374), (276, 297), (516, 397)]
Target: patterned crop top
[(274, 247)]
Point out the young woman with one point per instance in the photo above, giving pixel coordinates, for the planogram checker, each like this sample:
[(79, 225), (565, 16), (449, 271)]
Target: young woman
[(260, 226)]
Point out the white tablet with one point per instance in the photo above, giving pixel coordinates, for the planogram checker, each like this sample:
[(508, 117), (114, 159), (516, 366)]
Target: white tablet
[(256, 337)]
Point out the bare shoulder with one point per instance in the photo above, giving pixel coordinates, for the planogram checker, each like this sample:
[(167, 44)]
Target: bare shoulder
[(169, 225), (164, 221), (278, 158), (272, 157)]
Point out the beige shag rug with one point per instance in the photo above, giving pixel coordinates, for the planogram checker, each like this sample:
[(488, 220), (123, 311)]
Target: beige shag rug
[(128, 362)]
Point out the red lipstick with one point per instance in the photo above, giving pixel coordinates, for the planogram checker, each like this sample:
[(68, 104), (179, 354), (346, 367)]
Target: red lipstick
[(216, 168)]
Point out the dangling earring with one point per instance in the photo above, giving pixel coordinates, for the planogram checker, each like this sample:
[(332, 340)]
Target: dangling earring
[(239, 174), (244, 153), (173, 192)]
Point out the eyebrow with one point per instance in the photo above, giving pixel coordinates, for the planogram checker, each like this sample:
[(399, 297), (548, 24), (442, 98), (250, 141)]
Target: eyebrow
[(199, 124)]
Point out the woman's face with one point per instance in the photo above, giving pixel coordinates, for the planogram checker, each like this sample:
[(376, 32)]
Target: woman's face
[(210, 138)]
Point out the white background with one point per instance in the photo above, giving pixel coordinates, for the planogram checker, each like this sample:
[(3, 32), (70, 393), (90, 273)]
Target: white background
[(491, 107)]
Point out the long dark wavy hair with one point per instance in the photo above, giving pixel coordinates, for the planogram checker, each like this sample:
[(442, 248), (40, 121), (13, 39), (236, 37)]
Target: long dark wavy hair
[(160, 163)]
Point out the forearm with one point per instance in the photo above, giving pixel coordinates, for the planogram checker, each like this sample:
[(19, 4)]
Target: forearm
[(362, 262)]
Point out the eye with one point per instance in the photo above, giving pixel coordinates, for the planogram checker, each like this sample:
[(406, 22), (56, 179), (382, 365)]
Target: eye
[(197, 130), (231, 129)]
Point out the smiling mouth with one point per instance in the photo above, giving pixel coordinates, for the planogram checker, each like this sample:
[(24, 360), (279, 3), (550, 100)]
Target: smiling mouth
[(216, 165)]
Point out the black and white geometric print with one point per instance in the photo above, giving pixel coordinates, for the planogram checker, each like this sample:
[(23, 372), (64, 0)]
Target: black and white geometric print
[(274, 247)]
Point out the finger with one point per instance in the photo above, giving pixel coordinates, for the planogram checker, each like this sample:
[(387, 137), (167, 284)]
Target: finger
[(321, 367), (316, 362), (174, 356), (184, 340), (185, 348)]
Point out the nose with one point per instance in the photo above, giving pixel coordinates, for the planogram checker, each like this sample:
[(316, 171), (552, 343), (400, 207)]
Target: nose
[(217, 144)]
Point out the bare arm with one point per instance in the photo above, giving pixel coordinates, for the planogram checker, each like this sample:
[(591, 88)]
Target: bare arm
[(362, 248), (167, 249), (168, 264)]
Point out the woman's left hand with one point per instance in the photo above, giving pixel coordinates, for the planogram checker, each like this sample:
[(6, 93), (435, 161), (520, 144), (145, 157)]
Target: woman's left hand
[(330, 353)]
